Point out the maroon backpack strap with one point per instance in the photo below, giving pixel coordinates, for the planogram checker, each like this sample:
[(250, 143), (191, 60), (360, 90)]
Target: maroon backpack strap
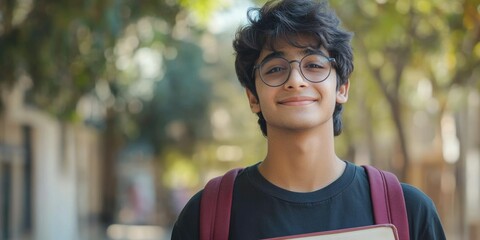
[(388, 201), (215, 206)]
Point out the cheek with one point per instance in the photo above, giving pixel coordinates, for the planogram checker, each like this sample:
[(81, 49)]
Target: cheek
[(267, 103), (327, 89), (263, 93), (263, 102)]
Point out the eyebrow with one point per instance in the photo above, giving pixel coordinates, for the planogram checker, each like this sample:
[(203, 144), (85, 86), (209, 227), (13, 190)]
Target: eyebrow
[(304, 51), (271, 55), (310, 50)]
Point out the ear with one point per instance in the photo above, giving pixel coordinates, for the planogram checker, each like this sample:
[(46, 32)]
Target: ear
[(342, 93), (253, 101)]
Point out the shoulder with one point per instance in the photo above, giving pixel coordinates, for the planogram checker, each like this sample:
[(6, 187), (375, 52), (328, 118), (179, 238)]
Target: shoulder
[(419, 205), (423, 219), (186, 226), (416, 199)]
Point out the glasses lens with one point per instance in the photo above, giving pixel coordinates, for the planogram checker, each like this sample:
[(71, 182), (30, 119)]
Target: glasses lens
[(315, 67), (275, 71)]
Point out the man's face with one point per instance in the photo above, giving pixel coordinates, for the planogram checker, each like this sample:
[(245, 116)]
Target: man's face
[(298, 104)]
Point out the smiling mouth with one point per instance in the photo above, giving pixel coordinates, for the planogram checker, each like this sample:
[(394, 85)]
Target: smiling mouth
[(297, 101)]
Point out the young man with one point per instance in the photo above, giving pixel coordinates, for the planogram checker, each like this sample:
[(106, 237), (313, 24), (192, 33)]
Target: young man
[(294, 61)]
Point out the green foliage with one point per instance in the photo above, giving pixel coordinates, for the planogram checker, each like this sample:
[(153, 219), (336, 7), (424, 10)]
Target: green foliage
[(70, 50), (177, 114), (180, 173), (62, 45), (409, 55)]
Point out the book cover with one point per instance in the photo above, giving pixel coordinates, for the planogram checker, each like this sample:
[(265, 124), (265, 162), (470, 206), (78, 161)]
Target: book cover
[(373, 232)]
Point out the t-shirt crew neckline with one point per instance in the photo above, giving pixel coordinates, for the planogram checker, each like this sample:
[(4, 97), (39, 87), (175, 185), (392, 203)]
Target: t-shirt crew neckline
[(323, 194)]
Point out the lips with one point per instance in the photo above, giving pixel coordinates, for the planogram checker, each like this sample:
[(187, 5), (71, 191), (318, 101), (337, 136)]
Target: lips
[(297, 100)]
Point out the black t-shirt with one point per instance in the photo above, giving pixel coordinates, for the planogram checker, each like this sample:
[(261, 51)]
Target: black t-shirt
[(263, 210)]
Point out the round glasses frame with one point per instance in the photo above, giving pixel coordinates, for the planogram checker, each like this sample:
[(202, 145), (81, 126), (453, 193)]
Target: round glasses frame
[(259, 67)]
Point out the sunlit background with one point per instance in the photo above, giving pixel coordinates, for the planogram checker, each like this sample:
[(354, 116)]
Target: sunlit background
[(114, 113)]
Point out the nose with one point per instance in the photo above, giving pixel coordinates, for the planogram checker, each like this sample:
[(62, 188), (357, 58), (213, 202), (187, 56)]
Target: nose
[(295, 79)]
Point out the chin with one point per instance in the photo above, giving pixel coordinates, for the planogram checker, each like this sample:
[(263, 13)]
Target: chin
[(300, 126)]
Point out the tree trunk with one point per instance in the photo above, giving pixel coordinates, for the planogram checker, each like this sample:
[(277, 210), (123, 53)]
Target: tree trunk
[(109, 179)]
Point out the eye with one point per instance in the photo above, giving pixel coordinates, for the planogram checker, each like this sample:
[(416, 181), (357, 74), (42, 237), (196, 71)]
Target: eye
[(275, 66), (275, 69), (314, 65)]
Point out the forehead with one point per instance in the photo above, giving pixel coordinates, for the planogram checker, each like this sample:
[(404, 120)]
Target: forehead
[(291, 47)]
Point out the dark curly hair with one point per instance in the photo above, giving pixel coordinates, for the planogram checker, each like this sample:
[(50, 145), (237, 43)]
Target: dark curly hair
[(285, 20)]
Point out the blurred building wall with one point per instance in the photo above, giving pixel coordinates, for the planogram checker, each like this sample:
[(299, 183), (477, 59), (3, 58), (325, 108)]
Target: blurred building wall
[(49, 174), (469, 175)]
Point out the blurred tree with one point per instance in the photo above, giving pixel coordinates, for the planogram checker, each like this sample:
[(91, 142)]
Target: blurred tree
[(177, 115), (399, 43), (62, 45), (66, 47)]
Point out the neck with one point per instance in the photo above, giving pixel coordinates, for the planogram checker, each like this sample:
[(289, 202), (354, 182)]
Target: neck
[(301, 161)]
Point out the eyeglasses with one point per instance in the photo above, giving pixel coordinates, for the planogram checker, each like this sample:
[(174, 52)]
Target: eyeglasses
[(275, 71)]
